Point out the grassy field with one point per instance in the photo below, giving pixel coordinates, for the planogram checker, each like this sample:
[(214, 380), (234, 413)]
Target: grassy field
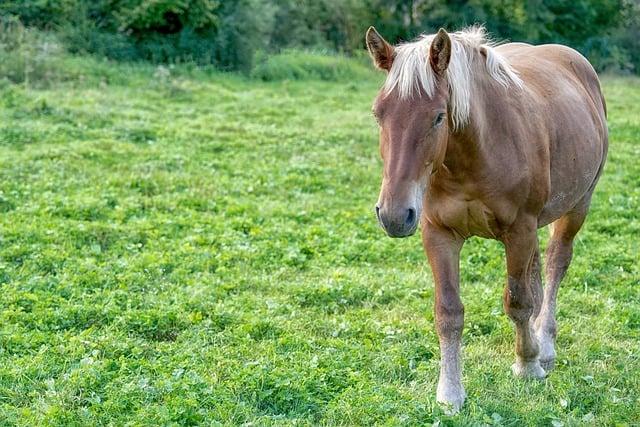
[(180, 247)]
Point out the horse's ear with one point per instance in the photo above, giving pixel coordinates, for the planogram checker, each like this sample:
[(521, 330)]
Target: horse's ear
[(381, 52), (440, 52)]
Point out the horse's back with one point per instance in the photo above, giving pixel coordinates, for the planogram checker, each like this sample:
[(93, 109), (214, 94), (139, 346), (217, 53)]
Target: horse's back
[(551, 64), (565, 91)]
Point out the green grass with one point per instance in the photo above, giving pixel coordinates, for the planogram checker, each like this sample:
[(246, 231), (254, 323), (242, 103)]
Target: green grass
[(185, 247), (301, 65)]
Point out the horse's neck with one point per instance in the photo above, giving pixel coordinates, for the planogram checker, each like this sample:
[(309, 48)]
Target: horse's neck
[(469, 148)]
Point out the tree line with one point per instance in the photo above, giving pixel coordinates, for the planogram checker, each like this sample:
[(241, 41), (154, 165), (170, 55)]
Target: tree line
[(229, 33)]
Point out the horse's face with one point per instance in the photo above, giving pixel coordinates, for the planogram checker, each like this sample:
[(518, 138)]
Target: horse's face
[(413, 137)]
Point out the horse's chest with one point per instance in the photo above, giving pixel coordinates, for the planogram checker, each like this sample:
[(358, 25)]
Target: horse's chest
[(466, 217)]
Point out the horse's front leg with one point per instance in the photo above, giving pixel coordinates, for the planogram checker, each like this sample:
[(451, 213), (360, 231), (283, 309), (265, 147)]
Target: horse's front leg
[(443, 250), (521, 244)]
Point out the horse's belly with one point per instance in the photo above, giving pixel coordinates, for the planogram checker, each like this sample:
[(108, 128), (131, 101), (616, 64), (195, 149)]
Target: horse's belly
[(574, 170)]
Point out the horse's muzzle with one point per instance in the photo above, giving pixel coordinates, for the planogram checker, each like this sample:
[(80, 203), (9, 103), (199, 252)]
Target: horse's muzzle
[(397, 222)]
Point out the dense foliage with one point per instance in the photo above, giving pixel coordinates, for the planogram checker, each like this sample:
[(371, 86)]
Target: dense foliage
[(228, 33)]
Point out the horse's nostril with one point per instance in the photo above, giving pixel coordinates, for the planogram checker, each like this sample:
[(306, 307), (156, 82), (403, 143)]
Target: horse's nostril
[(378, 211), (411, 217)]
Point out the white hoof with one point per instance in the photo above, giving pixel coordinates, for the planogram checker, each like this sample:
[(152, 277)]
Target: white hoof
[(528, 369), (548, 365), (450, 397)]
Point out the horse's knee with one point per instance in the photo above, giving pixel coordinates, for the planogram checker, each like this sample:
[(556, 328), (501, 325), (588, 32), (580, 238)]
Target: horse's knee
[(518, 301), (519, 312)]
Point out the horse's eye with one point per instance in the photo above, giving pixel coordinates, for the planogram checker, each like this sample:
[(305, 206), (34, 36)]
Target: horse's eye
[(439, 119)]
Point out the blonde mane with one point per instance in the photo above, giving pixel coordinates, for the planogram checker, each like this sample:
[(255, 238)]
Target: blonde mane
[(411, 69)]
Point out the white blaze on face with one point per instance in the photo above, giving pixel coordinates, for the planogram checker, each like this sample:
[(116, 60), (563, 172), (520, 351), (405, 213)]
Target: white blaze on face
[(399, 206), (417, 193)]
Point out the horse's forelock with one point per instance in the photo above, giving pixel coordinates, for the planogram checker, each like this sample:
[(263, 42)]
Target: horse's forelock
[(412, 72)]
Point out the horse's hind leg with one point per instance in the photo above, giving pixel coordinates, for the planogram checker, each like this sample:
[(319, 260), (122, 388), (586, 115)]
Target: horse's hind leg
[(520, 295), (558, 258)]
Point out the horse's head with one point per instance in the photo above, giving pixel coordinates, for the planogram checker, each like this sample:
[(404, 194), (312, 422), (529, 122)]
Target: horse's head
[(413, 129)]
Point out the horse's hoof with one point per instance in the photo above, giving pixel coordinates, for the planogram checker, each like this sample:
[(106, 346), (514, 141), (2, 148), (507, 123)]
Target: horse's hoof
[(451, 398), (547, 353), (548, 365), (529, 369)]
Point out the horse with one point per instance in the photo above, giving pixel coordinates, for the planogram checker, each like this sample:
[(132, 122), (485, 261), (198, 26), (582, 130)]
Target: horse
[(495, 141)]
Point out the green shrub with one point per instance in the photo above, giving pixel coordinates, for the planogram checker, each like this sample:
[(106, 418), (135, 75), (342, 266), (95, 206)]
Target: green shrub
[(228, 33), (45, 14), (225, 34), (85, 36), (28, 56), (37, 59)]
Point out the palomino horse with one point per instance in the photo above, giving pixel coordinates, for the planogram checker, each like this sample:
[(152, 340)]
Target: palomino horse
[(490, 141)]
